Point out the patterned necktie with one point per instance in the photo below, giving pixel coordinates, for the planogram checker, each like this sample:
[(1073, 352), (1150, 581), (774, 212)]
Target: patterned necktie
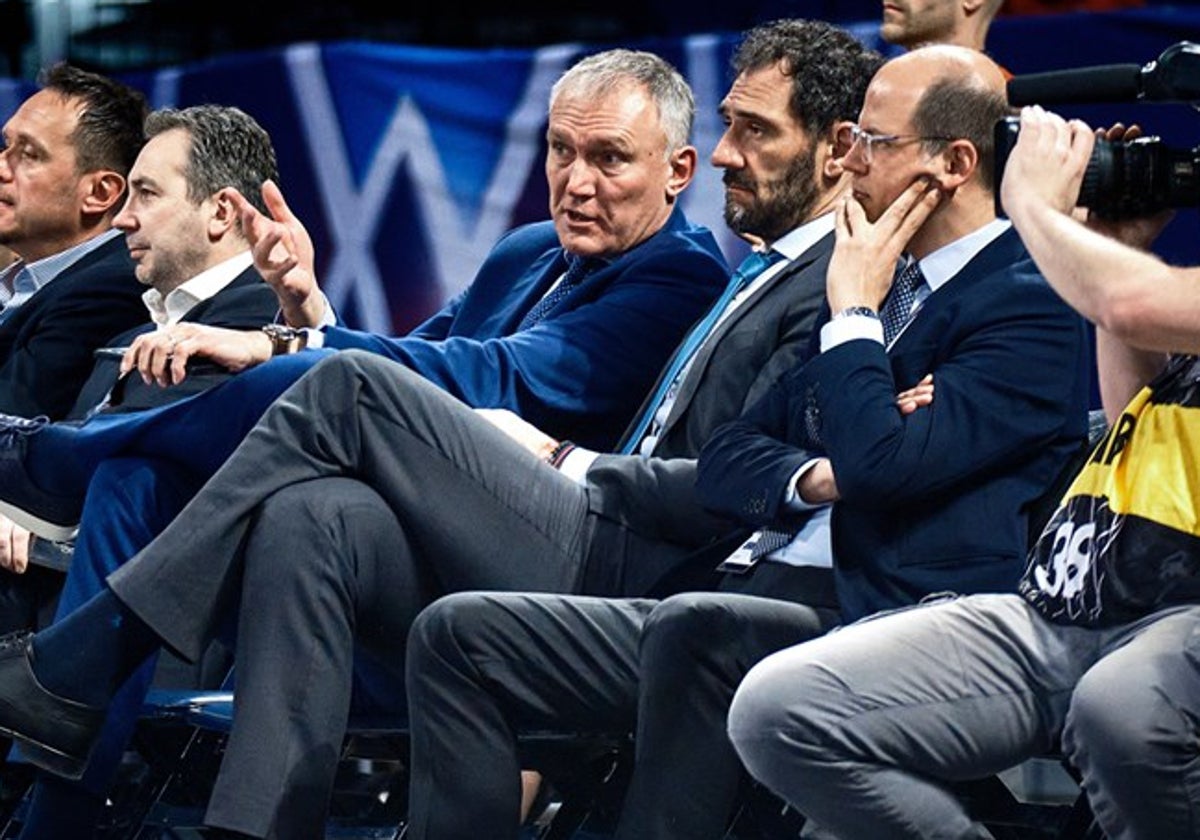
[(755, 264), (578, 268), (897, 309), (771, 539)]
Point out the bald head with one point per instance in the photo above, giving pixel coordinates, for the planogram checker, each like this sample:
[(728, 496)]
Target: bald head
[(914, 23)]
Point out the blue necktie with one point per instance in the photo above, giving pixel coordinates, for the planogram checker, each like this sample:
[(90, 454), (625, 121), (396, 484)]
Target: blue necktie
[(750, 268), (897, 309), (577, 269)]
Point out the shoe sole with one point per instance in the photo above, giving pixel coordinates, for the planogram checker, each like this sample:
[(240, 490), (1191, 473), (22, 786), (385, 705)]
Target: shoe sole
[(47, 757), (39, 527)]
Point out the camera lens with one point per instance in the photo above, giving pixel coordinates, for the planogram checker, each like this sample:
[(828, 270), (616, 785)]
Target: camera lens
[(1102, 177)]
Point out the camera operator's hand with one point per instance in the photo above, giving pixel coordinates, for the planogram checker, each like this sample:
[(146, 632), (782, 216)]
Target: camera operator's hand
[(1138, 232), (1046, 166)]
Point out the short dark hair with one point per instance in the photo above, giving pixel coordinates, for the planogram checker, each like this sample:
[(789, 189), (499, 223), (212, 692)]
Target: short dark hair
[(109, 134), (228, 149), (962, 108), (829, 68)]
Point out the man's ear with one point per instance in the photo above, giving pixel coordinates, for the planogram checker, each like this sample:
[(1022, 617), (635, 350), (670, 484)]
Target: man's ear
[(841, 138), (223, 216), (683, 170), (103, 191), (958, 163), (834, 147)]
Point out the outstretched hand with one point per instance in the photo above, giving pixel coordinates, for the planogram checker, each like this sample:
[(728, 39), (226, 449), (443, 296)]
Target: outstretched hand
[(283, 254)]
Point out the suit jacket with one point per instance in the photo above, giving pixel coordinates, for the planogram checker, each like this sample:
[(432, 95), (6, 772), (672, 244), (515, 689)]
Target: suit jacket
[(938, 500), (654, 498), (246, 303), (581, 371), (46, 346)]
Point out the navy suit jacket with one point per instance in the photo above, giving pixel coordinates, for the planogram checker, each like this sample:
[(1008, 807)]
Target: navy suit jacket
[(581, 372), (46, 346), (246, 303), (938, 500)]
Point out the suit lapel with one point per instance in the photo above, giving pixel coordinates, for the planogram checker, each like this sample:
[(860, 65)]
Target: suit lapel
[(699, 368), (998, 255), (540, 278)]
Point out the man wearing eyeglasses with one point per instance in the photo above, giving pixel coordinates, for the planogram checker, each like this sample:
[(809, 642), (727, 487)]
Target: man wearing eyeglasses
[(885, 500)]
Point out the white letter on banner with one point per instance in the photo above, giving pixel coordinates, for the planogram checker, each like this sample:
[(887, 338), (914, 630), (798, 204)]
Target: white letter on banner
[(353, 216)]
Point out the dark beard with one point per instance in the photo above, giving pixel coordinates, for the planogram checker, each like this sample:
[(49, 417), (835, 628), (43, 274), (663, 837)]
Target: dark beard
[(792, 198)]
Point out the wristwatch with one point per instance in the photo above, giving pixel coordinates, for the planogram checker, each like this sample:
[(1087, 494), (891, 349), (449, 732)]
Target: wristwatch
[(865, 311), (285, 340)]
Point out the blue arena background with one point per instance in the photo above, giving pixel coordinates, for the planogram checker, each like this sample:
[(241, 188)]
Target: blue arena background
[(407, 163)]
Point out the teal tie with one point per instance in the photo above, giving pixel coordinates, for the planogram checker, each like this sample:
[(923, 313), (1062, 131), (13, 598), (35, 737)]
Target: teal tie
[(755, 264)]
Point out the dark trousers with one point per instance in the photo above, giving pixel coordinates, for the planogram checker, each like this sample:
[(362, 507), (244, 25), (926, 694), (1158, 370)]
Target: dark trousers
[(483, 666), (327, 569)]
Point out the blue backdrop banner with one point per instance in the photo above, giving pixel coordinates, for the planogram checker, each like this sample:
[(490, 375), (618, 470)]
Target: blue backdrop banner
[(408, 163)]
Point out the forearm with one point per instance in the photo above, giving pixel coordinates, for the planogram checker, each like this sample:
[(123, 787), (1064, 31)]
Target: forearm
[(1130, 293), (1123, 371)]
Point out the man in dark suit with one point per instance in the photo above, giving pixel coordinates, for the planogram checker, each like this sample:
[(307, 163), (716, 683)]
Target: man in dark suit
[(67, 151), (916, 490), (782, 181)]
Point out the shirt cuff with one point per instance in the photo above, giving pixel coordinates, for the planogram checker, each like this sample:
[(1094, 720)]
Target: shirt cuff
[(577, 463), (314, 337), (791, 499), (329, 317), (849, 328)]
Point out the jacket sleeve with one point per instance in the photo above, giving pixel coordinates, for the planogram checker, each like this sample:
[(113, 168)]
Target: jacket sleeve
[(1003, 387), (744, 470), (585, 368)]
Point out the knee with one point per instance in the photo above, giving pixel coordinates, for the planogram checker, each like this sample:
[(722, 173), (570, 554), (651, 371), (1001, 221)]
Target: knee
[(685, 627), (776, 721), (1115, 721), (439, 631), (325, 523)]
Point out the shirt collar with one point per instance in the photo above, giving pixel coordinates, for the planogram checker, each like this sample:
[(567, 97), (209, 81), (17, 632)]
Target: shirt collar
[(33, 276), (170, 309), (949, 260), (798, 240)]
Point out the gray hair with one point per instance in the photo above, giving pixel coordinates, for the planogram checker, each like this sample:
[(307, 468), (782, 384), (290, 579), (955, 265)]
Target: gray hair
[(228, 149), (606, 71)]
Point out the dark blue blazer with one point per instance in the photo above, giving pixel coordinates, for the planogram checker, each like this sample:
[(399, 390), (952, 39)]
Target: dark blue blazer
[(938, 500), (46, 346), (582, 371), (245, 304)]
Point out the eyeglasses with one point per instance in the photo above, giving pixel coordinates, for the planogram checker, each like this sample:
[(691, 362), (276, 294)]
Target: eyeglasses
[(851, 134)]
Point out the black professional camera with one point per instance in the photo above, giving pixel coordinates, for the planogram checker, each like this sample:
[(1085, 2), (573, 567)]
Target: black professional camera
[(1126, 179)]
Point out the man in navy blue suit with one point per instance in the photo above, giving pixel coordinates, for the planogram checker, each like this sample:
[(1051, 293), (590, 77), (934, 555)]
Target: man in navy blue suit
[(868, 729), (66, 154), (875, 504)]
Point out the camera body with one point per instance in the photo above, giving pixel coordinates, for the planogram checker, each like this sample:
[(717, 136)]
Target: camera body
[(1123, 180)]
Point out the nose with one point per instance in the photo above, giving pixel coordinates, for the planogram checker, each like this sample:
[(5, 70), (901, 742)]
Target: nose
[(726, 155), (856, 159), (124, 218), (580, 177)]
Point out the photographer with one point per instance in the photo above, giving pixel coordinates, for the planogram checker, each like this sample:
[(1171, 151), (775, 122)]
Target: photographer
[(863, 730)]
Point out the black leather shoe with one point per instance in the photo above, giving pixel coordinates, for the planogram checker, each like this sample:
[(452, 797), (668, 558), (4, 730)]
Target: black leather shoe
[(48, 515), (54, 733)]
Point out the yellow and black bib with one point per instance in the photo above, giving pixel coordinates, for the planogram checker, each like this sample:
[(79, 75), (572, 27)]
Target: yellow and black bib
[(1125, 539)]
